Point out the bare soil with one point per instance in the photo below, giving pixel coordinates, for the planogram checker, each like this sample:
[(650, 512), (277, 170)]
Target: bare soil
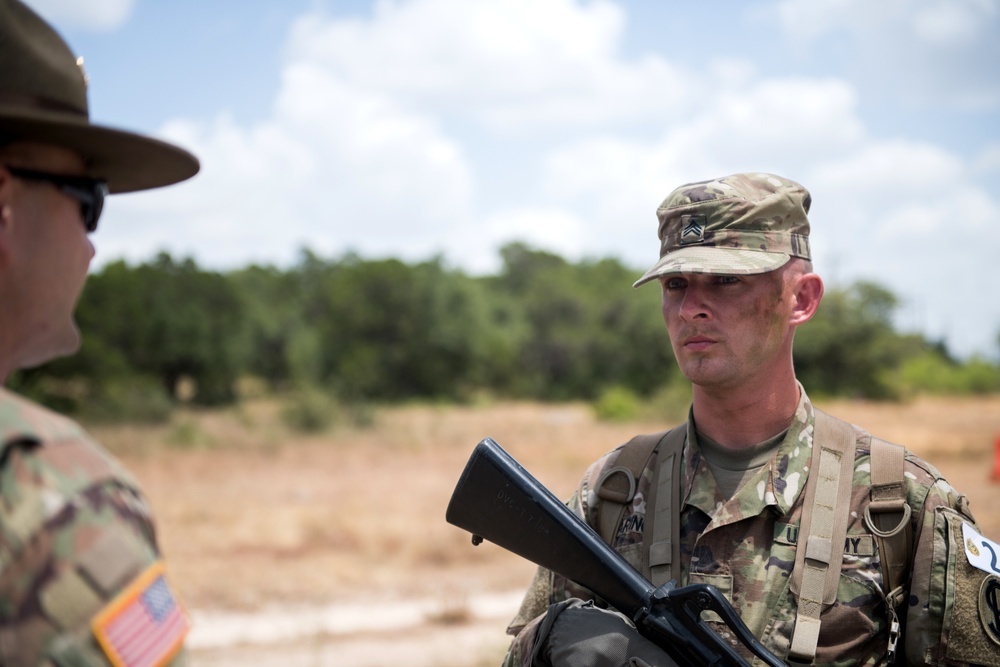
[(333, 549)]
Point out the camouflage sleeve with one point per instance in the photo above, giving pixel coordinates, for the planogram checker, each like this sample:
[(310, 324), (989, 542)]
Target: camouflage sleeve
[(78, 558), (953, 616), (522, 649)]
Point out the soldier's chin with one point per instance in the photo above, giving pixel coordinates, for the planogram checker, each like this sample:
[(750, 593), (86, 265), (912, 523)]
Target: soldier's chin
[(71, 341), (63, 343)]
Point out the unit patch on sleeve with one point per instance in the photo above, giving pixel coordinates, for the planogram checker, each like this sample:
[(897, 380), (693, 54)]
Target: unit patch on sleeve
[(145, 625), (989, 608)]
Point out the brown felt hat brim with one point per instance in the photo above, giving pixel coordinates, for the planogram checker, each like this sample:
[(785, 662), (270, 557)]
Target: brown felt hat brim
[(127, 161)]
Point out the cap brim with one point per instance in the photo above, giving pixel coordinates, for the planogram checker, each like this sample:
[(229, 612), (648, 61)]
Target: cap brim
[(714, 260), (127, 161)]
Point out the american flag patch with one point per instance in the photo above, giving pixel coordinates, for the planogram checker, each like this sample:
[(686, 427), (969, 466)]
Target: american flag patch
[(145, 625)]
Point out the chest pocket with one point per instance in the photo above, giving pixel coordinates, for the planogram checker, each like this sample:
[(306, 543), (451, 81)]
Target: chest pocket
[(854, 624)]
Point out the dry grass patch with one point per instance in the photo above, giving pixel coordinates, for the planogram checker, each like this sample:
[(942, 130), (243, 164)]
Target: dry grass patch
[(253, 513)]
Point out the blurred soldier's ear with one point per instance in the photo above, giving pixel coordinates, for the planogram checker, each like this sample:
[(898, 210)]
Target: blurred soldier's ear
[(6, 215)]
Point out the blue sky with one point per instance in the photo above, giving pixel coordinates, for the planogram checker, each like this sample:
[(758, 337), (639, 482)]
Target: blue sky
[(450, 127)]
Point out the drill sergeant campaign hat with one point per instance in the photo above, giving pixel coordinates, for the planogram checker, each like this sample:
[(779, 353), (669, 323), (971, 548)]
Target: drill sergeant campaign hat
[(734, 225), (43, 99)]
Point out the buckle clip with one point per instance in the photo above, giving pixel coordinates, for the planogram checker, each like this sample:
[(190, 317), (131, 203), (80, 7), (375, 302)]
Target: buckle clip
[(893, 635)]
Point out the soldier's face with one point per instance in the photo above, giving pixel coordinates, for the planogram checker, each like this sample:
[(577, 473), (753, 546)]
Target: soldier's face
[(46, 256), (729, 331)]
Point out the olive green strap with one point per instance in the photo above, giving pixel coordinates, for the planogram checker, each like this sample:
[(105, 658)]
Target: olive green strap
[(618, 483), (819, 553), (661, 531), (888, 517)]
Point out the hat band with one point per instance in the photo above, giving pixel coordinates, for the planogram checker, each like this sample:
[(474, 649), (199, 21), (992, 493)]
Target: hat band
[(796, 245), (8, 98)]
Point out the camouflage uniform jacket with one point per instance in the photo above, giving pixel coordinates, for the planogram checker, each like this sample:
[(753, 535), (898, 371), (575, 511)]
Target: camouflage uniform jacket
[(746, 547), (75, 532)]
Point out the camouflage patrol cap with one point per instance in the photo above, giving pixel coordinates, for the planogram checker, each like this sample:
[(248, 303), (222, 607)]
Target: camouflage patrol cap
[(734, 225)]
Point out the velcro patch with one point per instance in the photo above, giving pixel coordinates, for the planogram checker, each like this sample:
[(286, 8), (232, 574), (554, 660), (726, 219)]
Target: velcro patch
[(145, 624), (973, 625)]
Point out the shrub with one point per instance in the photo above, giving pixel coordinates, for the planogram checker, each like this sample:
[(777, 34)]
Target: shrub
[(932, 373), (133, 399), (669, 405), (617, 404), (310, 410), (187, 434)]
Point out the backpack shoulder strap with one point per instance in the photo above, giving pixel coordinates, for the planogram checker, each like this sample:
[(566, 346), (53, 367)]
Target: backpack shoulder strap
[(888, 517), (823, 529), (618, 482), (662, 531), (888, 514), (816, 571)]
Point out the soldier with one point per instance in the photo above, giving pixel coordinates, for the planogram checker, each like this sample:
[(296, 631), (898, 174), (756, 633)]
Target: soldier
[(835, 547), (81, 579)]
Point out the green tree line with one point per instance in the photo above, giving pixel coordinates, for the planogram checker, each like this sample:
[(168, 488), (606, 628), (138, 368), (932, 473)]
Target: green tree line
[(385, 330)]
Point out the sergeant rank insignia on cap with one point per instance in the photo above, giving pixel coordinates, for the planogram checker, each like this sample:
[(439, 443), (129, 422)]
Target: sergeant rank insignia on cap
[(145, 625), (694, 229)]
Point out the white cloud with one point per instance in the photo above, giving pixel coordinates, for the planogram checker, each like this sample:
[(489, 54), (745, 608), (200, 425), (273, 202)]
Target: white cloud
[(933, 21), (335, 167), (989, 158), (554, 229), (909, 216), (951, 22), (96, 15), (893, 203), (779, 125), (360, 151), (508, 63), (932, 52), (892, 169)]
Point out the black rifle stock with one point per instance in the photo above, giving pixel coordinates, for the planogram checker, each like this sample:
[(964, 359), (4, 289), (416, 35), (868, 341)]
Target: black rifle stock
[(498, 500)]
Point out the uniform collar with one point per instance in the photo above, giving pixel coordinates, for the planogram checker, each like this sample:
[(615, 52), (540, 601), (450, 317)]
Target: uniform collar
[(778, 485)]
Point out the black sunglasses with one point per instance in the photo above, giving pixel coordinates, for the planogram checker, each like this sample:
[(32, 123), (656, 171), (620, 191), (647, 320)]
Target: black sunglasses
[(89, 192)]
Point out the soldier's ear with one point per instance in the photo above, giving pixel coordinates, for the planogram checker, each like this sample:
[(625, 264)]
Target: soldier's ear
[(808, 292)]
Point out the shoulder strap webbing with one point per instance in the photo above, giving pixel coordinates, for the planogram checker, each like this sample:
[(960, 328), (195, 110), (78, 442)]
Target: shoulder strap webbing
[(888, 517), (617, 485), (662, 531), (819, 553), (888, 514)]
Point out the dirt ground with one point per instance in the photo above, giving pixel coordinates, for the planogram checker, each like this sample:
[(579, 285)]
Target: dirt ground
[(319, 550)]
